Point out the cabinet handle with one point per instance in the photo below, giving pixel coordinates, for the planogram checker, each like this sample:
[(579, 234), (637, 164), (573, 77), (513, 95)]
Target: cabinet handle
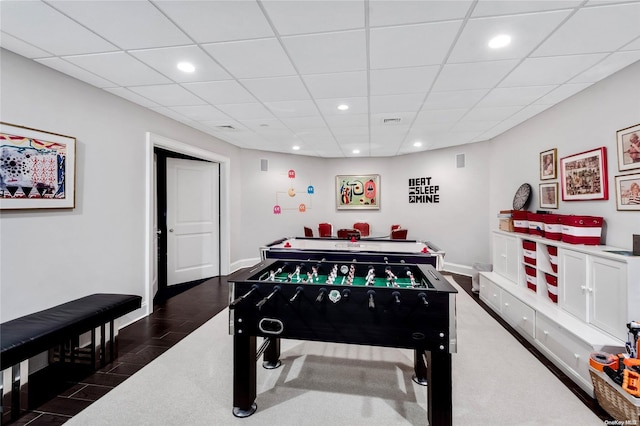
[(583, 287), (524, 318), (545, 332), (589, 289), (503, 255), (506, 304), (577, 356)]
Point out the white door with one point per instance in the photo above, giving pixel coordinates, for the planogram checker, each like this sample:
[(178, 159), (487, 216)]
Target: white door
[(192, 220)]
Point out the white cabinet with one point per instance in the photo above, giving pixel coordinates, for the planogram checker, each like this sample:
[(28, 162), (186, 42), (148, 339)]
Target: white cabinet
[(573, 276), (505, 256)]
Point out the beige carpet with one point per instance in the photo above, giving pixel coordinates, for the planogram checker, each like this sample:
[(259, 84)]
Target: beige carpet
[(495, 382)]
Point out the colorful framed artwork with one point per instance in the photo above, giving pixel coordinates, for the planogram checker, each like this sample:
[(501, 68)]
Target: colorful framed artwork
[(628, 192), (584, 176), (549, 164), (359, 192), (37, 168), (628, 142), (549, 195)]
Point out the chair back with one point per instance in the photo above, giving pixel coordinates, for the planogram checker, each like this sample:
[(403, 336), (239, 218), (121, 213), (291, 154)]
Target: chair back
[(348, 233), (399, 234), (308, 232), (325, 230), (363, 227)]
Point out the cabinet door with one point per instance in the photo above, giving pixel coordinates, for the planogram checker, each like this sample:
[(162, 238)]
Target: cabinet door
[(505, 256), (513, 261), (607, 296), (572, 283)]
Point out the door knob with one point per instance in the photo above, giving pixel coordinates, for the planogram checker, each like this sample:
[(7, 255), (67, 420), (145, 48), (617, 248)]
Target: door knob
[(171, 230)]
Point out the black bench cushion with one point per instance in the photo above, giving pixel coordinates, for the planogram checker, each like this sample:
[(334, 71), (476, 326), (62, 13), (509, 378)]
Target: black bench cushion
[(32, 334)]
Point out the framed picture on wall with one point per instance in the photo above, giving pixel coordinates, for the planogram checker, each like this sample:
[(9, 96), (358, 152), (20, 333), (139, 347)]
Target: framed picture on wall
[(37, 168), (359, 192), (549, 195), (628, 142), (628, 192), (549, 164), (584, 176)]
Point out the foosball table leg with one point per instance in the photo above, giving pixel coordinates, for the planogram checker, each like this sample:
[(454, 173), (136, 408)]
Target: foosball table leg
[(271, 357), (440, 402), (419, 367), (244, 375)]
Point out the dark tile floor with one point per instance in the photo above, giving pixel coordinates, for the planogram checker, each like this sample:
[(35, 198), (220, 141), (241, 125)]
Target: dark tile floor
[(60, 392)]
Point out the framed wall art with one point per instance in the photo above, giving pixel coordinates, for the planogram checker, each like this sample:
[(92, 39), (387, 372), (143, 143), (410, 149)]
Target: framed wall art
[(360, 192), (584, 176), (628, 192), (628, 142), (549, 195), (37, 168), (549, 164)]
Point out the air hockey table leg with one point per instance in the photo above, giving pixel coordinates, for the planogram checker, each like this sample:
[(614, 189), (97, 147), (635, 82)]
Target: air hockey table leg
[(244, 375), (440, 402), (271, 357)]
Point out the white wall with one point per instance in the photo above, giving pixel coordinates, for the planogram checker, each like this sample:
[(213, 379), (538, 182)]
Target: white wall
[(53, 256), (583, 122)]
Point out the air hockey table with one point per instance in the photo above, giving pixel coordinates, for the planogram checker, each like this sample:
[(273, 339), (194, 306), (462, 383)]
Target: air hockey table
[(362, 250)]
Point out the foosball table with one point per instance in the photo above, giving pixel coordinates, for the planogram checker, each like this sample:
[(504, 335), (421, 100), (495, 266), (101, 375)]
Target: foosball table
[(409, 306)]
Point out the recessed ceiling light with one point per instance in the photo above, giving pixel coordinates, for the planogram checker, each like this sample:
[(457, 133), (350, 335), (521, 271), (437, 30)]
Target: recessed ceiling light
[(343, 107), (186, 67), (417, 144), (295, 148), (356, 151), (499, 41)]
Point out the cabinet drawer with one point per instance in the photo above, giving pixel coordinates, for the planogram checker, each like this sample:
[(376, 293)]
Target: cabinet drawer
[(565, 345), (518, 314), (490, 293)]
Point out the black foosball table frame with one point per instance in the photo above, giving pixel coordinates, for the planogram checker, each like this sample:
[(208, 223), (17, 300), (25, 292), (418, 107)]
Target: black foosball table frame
[(419, 317)]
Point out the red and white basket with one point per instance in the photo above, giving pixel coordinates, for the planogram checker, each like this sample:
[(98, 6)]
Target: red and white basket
[(581, 229), (536, 225), (553, 258), (520, 221), (529, 252), (552, 226), (531, 277)]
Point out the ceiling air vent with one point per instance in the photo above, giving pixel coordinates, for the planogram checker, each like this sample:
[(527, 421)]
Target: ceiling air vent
[(391, 120), (226, 127)]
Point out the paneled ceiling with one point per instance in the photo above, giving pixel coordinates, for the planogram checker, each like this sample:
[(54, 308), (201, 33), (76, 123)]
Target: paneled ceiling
[(270, 75)]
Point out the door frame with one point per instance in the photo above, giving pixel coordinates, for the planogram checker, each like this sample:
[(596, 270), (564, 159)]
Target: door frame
[(152, 141)]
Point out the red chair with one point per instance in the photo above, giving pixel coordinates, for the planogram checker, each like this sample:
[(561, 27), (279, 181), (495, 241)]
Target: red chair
[(308, 232), (325, 230), (363, 227), (399, 234), (348, 233)]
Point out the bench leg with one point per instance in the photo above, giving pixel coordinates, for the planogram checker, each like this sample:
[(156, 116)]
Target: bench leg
[(15, 391)]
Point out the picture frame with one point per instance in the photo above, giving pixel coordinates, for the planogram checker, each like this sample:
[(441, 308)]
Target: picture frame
[(583, 176), (549, 164), (628, 143), (358, 192), (548, 195), (37, 168), (628, 192)]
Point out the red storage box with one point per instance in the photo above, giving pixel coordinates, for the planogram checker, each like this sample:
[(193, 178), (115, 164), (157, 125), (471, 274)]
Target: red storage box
[(582, 229), (520, 221), (529, 252), (536, 226), (552, 226), (531, 277), (553, 257), (552, 280), (552, 291)]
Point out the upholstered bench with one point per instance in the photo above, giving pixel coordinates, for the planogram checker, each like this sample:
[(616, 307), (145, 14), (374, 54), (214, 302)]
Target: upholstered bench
[(58, 331)]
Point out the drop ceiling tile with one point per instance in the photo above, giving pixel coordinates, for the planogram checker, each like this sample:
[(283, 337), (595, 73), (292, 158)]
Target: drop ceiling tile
[(389, 120), (561, 93), (349, 120), (228, 126), (292, 108), (220, 92), (634, 45), (506, 96), (212, 21), (396, 103), (328, 52), (33, 22), (201, 112), (337, 85), (303, 123), (411, 45), (549, 70), (252, 58), (277, 88), (119, 23), (20, 47), (440, 116), (75, 72), (348, 132), (402, 80), (383, 13), (473, 126), (359, 139), (314, 16), (526, 31), (330, 106), (118, 67), (454, 99), (501, 7), (131, 96), (264, 124), (479, 75), (247, 111), (166, 61), (594, 29), (613, 63), (168, 95), (495, 113)]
